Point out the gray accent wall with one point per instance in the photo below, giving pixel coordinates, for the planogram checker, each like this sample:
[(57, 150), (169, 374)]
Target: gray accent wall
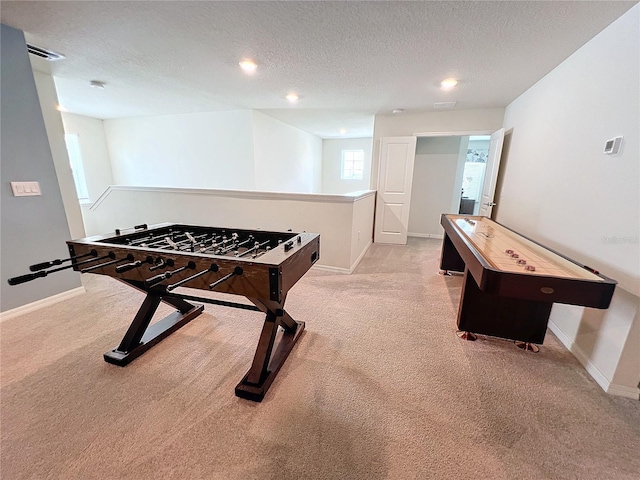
[(33, 229)]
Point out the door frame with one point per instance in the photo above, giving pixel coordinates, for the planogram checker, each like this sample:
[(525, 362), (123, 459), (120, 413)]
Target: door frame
[(457, 133), (462, 133)]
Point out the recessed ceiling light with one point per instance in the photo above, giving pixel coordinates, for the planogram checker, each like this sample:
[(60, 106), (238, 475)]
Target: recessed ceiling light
[(343, 131), (97, 84), (397, 110), (448, 83), (292, 97), (249, 66)]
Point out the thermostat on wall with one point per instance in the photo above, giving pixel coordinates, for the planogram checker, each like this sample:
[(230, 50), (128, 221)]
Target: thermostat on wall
[(612, 146)]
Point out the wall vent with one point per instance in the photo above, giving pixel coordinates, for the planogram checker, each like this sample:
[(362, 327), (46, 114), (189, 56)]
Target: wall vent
[(444, 104), (43, 53)]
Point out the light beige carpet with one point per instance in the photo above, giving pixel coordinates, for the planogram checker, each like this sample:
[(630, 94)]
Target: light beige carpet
[(378, 387)]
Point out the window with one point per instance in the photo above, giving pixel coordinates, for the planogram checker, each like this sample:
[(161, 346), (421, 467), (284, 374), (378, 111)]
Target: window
[(75, 159), (352, 164)]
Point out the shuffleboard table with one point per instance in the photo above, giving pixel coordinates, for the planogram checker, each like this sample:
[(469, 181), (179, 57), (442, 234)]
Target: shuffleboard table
[(511, 282)]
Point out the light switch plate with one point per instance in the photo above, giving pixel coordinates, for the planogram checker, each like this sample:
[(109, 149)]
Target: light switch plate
[(25, 189)]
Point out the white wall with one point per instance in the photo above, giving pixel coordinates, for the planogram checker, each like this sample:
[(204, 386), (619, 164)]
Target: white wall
[(337, 218), (557, 182), (48, 98), (95, 159), (201, 150), (332, 164), (361, 228), (434, 184), (286, 159), (627, 368), (243, 150), (560, 189), (410, 123), (94, 151)]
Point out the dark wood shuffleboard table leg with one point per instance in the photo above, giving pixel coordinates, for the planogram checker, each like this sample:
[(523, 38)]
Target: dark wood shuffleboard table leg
[(499, 316), (450, 259)]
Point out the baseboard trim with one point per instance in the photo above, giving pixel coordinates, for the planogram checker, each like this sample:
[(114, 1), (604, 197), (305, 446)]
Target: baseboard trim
[(624, 391), (38, 304), (425, 235), (347, 271), (361, 256), (329, 268), (600, 378)]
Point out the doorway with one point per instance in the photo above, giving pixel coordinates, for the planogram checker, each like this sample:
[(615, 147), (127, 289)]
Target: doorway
[(449, 175), (473, 174), (430, 183)]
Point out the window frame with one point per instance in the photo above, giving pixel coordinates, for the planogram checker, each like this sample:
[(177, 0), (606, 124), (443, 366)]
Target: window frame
[(358, 158)]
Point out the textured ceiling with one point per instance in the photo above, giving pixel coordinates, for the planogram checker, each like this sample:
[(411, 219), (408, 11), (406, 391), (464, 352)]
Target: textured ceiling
[(347, 60)]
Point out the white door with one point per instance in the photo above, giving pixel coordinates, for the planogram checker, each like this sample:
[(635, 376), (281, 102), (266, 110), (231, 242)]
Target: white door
[(487, 201), (395, 173)]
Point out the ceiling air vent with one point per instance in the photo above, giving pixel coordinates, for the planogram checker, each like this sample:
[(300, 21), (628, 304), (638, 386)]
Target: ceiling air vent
[(444, 105), (42, 53)]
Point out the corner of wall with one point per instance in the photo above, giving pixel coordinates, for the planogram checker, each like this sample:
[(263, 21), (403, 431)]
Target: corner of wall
[(34, 228), (48, 97)]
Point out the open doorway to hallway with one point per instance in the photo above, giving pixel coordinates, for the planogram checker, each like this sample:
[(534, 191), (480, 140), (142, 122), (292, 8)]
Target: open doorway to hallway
[(474, 173), (448, 177)]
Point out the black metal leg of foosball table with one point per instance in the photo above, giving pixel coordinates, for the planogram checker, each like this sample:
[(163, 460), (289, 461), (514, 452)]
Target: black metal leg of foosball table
[(273, 348), (141, 336)]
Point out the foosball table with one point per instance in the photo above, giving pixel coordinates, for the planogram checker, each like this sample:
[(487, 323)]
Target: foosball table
[(259, 265)]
